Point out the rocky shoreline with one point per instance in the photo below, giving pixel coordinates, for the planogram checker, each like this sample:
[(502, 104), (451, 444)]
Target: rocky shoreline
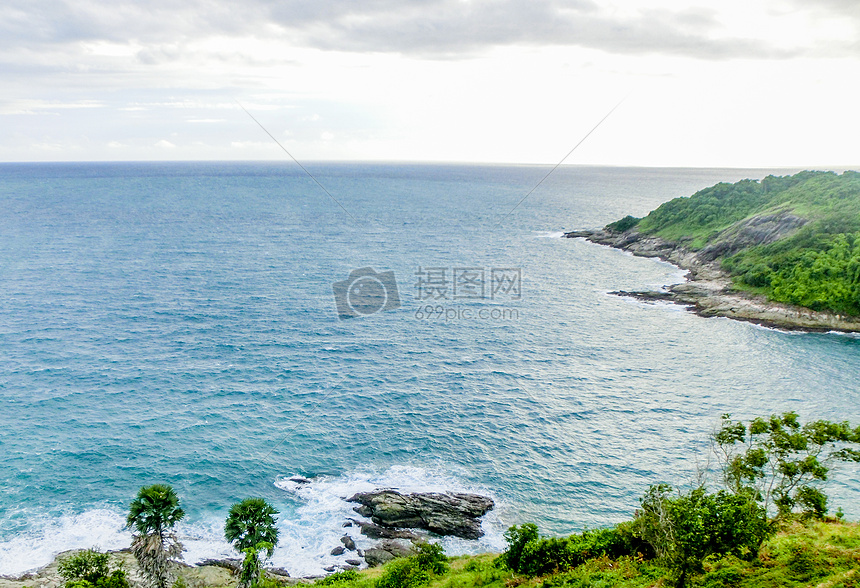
[(709, 291), (397, 520)]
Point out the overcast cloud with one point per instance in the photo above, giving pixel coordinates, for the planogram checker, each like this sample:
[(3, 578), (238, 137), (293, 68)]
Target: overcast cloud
[(379, 78), (430, 28)]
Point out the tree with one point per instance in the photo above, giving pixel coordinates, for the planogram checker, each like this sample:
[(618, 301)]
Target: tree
[(250, 527), (781, 463), (152, 515), (686, 529)]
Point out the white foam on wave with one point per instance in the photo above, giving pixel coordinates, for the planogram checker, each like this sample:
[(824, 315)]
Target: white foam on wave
[(307, 535), (845, 334), (550, 235), (47, 537), (103, 529), (307, 540)]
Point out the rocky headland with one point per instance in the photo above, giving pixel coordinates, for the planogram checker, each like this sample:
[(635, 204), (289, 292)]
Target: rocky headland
[(709, 290)]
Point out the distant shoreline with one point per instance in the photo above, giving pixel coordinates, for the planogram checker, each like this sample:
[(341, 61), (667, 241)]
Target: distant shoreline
[(709, 291)]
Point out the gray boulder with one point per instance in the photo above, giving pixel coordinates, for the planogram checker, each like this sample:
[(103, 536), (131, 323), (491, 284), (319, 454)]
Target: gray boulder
[(348, 542), (385, 551), (375, 531), (444, 514)]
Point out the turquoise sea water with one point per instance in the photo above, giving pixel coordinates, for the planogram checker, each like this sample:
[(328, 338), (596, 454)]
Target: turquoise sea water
[(176, 323)]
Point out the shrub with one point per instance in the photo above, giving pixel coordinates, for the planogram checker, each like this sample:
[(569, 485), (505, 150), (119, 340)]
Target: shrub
[(722, 578), (90, 569), (89, 565), (531, 555), (626, 223), (338, 578), (404, 573), (687, 528), (417, 570), (431, 558), (517, 539)]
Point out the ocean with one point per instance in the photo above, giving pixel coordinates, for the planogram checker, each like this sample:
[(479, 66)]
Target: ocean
[(222, 327)]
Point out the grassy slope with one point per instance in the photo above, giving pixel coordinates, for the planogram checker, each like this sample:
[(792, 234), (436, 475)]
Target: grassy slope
[(817, 265), (821, 554)]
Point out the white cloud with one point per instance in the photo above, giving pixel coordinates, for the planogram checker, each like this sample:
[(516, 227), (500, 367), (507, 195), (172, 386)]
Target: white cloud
[(729, 83)]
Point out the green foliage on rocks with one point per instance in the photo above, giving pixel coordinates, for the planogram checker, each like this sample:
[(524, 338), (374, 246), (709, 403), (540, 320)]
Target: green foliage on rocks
[(625, 224), (818, 271)]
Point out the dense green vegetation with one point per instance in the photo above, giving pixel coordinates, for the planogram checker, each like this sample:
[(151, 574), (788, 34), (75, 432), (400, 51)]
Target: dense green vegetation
[(818, 271), (685, 538), (813, 553), (808, 253)]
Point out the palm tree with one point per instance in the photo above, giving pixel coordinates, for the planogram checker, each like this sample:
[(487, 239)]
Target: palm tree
[(152, 515), (251, 529)]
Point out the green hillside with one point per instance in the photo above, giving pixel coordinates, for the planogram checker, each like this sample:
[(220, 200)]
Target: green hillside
[(815, 554), (795, 239)]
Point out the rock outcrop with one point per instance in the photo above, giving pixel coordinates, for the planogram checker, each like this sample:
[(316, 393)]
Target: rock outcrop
[(443, 514), (385, 551)]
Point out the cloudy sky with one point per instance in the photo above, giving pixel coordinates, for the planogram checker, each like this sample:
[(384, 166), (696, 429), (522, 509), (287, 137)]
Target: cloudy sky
[(701, 83)]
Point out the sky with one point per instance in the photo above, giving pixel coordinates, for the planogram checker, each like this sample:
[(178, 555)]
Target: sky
[(729, 83)]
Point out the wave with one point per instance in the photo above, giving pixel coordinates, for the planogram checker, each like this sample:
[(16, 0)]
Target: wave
[(49, 536), (307, 539), (307, 533)]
